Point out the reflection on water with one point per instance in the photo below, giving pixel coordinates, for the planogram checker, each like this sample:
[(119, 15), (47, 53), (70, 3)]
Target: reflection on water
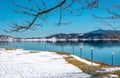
[(102, 50), (3, 43), (98, 44)]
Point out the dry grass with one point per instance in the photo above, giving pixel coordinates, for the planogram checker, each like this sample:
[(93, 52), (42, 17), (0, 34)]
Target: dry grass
[(33, 52), (63, 53), (84, 67), (10, 49), (118, 73), (89, 69), (101, 64)]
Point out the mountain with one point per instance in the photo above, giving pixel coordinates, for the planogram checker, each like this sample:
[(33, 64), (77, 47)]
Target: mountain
[(65, 36), (101, 31), (8, 38), (102, 34), (5, 37), (96, 35)]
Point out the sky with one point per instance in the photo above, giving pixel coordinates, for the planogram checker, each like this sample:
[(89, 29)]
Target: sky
[(80, 24)]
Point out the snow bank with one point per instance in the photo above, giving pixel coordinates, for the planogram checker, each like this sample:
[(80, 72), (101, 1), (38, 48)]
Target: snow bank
[(111, 69), (85, 61), (42, 64)]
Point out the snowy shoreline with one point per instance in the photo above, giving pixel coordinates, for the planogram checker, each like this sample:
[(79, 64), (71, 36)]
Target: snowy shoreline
[(20, 63)]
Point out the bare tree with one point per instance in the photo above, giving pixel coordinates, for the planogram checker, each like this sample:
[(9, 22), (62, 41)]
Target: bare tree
[(41, 11)]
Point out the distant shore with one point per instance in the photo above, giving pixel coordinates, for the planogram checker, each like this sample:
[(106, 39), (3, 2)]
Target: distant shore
[(56, 40), (96, 35)]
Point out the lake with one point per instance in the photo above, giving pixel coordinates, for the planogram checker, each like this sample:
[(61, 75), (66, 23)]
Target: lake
[(102, 51)]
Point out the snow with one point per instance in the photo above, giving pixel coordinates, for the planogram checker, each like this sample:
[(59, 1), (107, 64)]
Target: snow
[(113, 76), (42, 64), (85, 61), (111, 69)]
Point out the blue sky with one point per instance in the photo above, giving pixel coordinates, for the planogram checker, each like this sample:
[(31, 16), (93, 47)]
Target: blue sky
[(80, 24)]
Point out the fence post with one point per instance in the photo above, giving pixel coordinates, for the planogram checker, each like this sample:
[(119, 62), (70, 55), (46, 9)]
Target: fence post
[(62, 47), (73, 48), (112, 58), (45, 47), (25, 47), (16, 46), (91, 56), (81, 51)]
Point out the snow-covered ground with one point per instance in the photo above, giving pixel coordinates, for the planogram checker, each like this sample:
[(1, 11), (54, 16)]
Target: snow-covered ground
[(42, 64)]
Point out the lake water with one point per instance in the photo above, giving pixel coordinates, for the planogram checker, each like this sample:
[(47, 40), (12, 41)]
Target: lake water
[(102, 51)]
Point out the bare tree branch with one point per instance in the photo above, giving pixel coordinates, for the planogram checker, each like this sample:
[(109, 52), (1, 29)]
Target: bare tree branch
[(40, 11), (17, 27)]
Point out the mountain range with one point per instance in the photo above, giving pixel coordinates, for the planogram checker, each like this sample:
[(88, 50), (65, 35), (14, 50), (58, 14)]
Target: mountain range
[(93, 35), (97, 34)]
